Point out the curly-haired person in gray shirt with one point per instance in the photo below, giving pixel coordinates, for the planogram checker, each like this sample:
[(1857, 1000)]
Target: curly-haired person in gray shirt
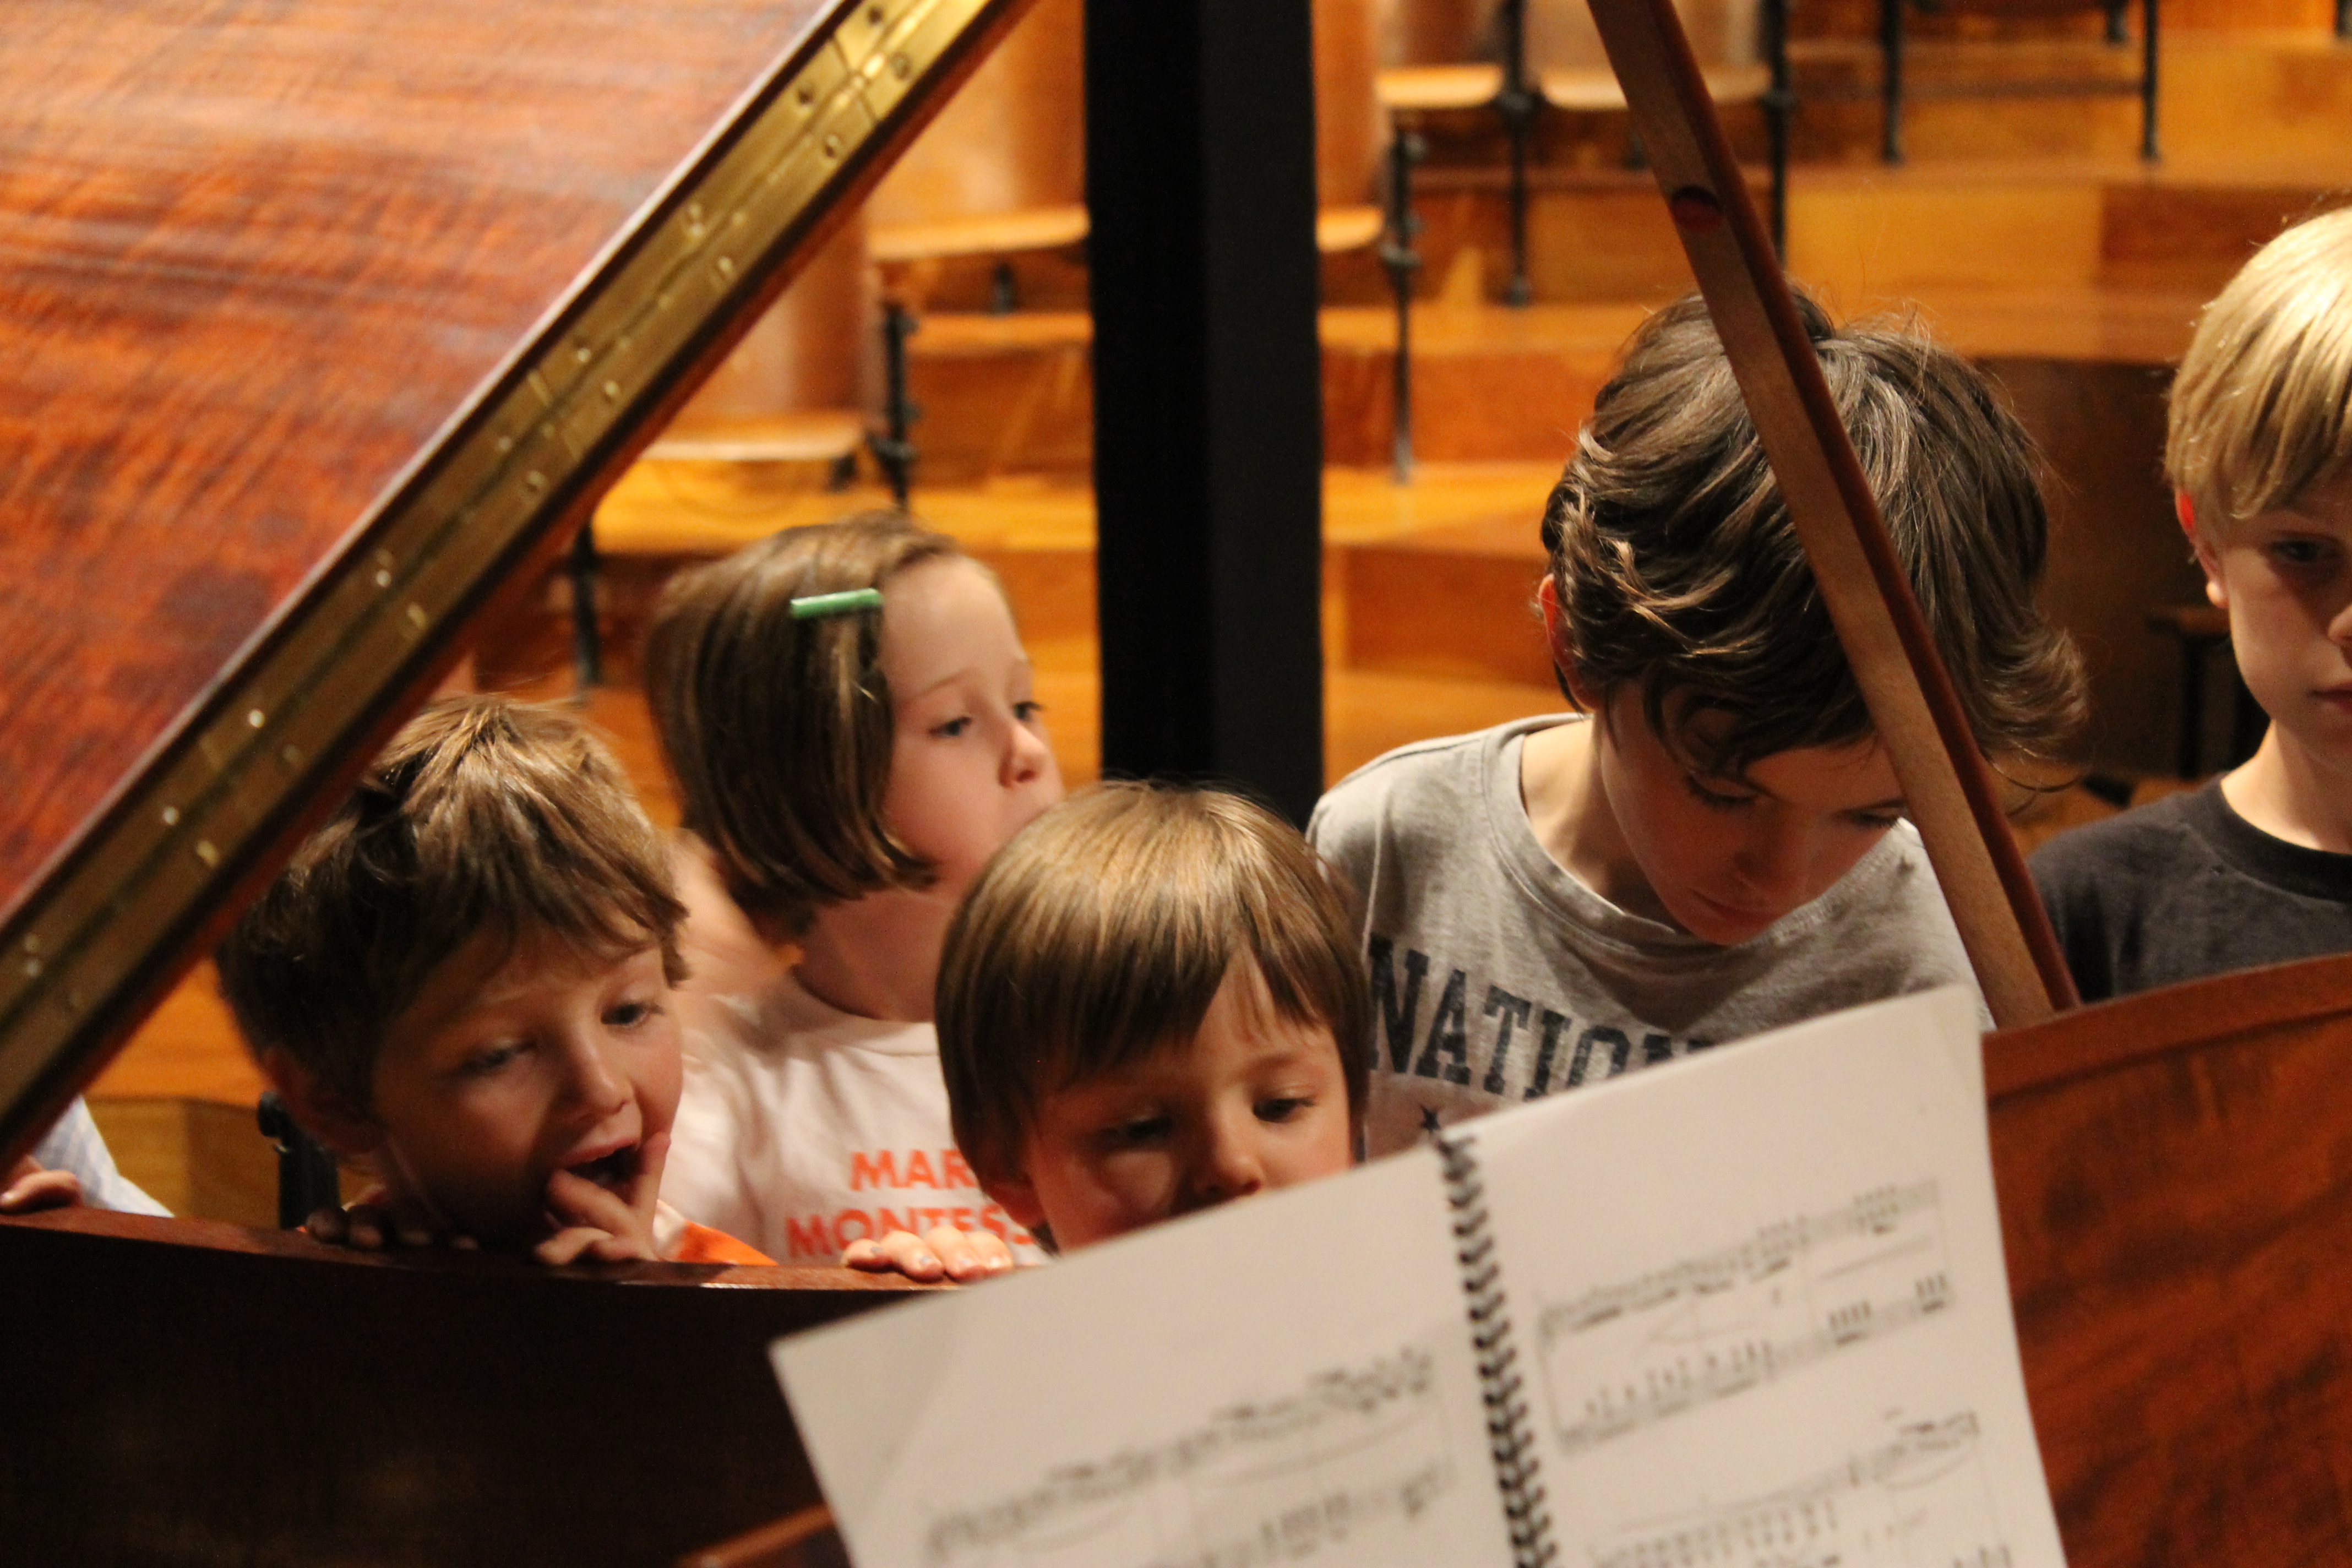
[(1714, 846)]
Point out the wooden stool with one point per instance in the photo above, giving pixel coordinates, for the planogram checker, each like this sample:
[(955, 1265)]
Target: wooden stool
[(1891, 44), (2201, 628), (828, 436), (911, 256)]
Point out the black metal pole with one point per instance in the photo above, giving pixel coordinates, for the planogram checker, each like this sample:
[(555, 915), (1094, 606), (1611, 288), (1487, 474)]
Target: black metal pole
[(1208, 399), (1403, 262), (1518, 103), (894, 449), (1890, 54), (587, 643), (2147, 148), (1779, 107)]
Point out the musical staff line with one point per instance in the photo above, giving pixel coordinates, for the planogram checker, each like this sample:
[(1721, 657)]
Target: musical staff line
[(1354, 1450), (1623, 1355), (1919, 1500)]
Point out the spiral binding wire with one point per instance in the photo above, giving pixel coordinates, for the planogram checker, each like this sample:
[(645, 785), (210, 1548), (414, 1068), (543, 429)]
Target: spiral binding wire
[(1517, 1469)]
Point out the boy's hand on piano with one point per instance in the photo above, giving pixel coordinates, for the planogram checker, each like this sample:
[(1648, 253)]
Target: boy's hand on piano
[(30, 1186), (602, 1224), (944, 1252), (378, 1221)]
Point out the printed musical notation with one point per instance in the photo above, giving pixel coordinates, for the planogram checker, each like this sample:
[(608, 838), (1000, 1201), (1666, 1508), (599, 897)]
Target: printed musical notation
[(1355, 1451), (1922, 1500), (1621, 1356)]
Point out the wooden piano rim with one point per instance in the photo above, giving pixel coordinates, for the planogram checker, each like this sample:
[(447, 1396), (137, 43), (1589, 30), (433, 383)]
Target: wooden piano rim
[(102, 1227), (2176, 1020)]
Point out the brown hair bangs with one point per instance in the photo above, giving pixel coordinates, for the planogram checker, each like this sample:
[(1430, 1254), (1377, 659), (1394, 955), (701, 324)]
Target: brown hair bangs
[(484, 814), (1679, 569), (777, 732), (1104, 930)]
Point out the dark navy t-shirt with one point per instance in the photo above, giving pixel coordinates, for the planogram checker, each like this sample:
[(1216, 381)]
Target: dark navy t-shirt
[(2184, 887)]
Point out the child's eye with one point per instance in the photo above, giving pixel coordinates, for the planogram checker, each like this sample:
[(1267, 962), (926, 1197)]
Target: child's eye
[(1876, 821), (953, 728), (1282, 1108), (1715, 800), (491, 1059), (2301, 553), (1029, 710), (1135, 1132), (629, 1015)]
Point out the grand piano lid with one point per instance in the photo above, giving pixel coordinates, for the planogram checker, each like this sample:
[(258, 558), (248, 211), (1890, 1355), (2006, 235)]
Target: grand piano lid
[(320, 320)]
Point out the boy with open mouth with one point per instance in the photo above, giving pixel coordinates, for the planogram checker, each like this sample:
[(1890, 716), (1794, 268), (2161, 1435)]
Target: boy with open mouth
[(462, 983)]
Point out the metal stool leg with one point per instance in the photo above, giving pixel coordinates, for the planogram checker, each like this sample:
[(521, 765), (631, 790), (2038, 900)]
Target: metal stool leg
[(587, 643), (894, 450), (1517, 104), (1403, 261), (1890, 52), (1779, 107), (306, 1173)]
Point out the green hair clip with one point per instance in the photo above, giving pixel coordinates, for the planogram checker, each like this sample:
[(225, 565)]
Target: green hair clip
[(842, 603)]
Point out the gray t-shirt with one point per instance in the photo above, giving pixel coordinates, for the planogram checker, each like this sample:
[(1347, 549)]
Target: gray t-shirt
[(1497, 976)]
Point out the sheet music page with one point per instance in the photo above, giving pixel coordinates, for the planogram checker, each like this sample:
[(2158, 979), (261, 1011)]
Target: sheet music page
[(1760, 1301), (1287, 1379)]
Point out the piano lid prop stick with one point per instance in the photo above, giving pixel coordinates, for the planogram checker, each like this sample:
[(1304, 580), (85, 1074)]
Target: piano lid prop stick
[(1948, 785)]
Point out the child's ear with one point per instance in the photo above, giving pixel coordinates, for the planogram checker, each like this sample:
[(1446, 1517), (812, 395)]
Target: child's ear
[(324, 1111), (2185, 507), (1562, 642)]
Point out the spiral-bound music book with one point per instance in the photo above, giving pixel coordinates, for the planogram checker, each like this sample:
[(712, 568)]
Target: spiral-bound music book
[(1748, 1309)]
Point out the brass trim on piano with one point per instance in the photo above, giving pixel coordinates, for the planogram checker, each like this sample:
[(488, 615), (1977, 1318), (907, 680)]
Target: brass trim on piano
[(192, 824)]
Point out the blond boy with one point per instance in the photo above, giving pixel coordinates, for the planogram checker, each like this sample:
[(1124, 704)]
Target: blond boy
[(2256, 867), (462, 982)]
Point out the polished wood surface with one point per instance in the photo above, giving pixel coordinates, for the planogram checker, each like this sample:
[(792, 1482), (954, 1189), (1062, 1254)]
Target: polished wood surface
[(1350, 131), (179, 1393), (324, 322), (2175, 1197), (250, 274), (981, 234)]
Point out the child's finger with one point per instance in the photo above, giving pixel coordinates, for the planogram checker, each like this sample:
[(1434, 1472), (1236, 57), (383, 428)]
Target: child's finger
[(901, 1251), (644, 1187), (366, 1226), (38, 1188), (969, 1255), (566, 1245), (577, 1201)]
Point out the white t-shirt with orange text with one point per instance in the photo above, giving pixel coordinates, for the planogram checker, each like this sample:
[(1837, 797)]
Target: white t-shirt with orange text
[(803, 1128)]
